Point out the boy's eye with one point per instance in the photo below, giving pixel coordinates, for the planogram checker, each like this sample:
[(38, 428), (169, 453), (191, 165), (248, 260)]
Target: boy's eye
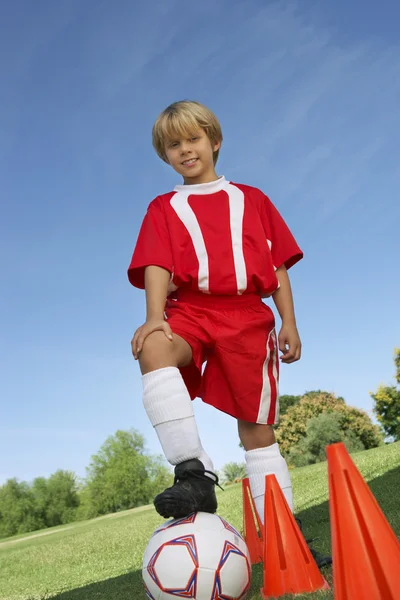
[(173, 144), (193, 139)]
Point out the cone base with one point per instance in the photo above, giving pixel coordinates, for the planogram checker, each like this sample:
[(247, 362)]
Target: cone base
[(325, 586)]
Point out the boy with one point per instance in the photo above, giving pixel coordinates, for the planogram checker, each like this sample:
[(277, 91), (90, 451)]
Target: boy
[(206, 255)]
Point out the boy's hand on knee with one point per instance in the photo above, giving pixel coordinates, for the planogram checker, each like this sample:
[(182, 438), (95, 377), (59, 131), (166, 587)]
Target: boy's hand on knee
[(145, 330), (289, 344)]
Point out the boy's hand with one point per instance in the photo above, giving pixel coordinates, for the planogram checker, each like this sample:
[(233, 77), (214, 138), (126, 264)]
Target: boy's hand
[(145, 330), (289, 343)]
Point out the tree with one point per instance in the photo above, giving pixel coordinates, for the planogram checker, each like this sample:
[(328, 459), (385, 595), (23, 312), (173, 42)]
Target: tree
[(86, 509), (63, 498), (286, 401), (123, 476), (56, 498), (293, 425), (40, 496), (232, 472), (160, 476), (321, 431), (17, 509), (387, 404)]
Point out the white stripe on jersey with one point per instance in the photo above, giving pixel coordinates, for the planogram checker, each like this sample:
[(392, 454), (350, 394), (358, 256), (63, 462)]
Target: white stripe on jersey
[(180, 204), (236, 210)]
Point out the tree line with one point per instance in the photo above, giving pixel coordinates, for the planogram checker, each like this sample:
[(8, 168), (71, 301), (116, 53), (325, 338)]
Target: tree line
[(122, 475)]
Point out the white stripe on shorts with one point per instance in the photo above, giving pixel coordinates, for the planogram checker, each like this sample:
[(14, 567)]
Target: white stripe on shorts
[(270, 393)]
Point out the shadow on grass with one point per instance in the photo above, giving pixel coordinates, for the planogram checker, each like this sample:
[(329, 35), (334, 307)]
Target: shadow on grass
[(316, 525), (124, 587)]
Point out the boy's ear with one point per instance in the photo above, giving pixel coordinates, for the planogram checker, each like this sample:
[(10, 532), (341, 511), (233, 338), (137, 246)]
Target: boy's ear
[(216, 145)]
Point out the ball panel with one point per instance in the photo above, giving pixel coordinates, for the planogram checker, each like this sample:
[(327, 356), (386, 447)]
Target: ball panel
[(162, 536), (184, 521), (169, 577), (152, 590), (230, 527), (234, 575), (210, 546)]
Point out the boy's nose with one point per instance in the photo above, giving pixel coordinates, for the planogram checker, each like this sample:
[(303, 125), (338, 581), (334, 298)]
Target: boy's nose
[(185, 149)]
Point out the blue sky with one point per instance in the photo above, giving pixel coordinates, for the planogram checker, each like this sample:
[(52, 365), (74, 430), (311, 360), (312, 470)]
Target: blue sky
[(307, 94)]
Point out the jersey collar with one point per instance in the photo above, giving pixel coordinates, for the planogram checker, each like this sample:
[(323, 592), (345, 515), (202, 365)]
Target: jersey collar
[(203, 188)]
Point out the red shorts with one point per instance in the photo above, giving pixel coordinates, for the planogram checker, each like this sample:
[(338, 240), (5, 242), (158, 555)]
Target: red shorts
[(235, 336)]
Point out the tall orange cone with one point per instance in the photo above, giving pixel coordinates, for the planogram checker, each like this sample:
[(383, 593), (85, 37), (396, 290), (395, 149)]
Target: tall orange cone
[(253, 538), (366, 552), (289, 567)]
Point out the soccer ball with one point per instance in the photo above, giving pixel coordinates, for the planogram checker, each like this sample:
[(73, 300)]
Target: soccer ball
[(200, 557)]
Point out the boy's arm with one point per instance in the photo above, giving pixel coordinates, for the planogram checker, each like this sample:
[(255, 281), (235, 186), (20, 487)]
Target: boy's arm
[(156, 280), (289, 340), (156, 285)]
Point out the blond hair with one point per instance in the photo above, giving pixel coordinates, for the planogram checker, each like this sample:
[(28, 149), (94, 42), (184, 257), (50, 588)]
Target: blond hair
[(182, 119)]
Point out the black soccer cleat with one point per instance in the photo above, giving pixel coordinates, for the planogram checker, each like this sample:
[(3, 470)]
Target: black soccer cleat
[(192, 491), (320, 559)]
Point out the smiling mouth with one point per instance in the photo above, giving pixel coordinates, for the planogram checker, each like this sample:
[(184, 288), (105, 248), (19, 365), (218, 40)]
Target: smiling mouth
[(190, 161)]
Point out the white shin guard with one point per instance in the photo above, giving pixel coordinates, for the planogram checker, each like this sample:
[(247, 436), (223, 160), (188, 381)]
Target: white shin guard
[(170, 410), (267, 461)]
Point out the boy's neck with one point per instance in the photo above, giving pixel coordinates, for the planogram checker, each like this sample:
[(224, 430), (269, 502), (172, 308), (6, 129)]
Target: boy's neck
[(203, 178)]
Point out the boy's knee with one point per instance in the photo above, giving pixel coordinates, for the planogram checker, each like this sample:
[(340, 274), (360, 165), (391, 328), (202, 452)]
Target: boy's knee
[(255, 435), (157, 353)]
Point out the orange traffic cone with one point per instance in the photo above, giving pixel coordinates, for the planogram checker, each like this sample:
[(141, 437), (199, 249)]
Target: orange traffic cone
[(289, 567), (366, 552), (253, 538)]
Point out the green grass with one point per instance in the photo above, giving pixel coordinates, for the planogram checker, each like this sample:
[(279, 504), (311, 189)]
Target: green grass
[(101, 559)]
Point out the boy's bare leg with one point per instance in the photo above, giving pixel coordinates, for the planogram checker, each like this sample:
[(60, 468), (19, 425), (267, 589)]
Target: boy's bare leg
[(158, 352), (170, 410), (255, 435), (263, 457)]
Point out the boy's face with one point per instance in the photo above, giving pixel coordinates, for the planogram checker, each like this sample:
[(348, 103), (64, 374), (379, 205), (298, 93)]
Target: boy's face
[(192, 157)]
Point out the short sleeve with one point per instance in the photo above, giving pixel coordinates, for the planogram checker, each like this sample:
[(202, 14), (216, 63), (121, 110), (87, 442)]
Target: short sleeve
[(153, 246), (283, 246)]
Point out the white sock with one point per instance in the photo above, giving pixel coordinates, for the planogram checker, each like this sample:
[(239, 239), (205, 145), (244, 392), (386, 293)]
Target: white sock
[(267, 461), (170, 410)]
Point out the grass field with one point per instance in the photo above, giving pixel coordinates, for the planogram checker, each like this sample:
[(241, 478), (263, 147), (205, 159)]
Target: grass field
[(101, 559)]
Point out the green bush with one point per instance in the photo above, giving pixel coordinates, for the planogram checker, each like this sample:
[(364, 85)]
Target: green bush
[(321, 431), (293, 426)]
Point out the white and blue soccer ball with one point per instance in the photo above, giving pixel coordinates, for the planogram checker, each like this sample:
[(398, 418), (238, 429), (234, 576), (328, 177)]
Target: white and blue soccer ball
[(200, 557)]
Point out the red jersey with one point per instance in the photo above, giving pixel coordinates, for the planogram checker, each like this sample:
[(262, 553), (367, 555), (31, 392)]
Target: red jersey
[(219, 238)]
